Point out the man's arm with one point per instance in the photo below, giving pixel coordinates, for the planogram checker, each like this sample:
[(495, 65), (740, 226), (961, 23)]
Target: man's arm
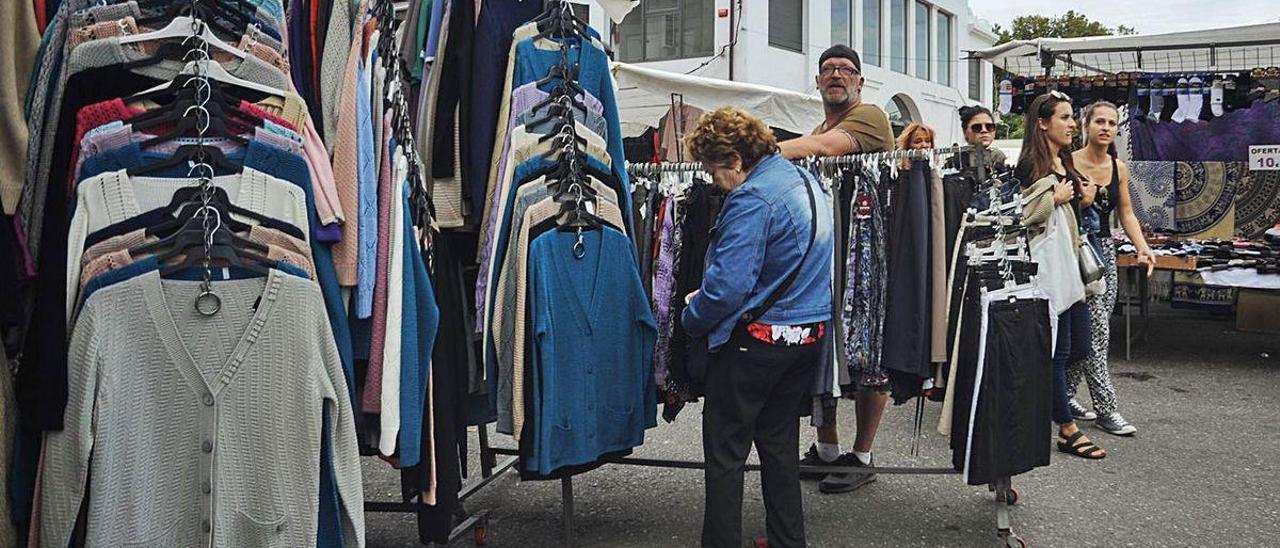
[(832, 143)]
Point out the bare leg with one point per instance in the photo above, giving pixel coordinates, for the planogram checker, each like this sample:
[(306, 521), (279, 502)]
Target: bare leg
[(870, 409), (828, 433)]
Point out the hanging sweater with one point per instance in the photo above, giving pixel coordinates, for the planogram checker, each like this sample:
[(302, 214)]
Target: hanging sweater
[(593, 335), (19, 39), (181, 414)]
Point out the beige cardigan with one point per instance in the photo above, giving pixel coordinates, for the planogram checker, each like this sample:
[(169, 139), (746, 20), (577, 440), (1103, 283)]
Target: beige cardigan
[(1037, 207)]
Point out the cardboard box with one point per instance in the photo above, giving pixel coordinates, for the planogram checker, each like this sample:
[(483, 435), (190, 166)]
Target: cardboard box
[(1258, 311)]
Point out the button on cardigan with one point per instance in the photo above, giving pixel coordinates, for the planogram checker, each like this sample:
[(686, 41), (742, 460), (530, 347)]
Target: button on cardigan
[(181, 415)]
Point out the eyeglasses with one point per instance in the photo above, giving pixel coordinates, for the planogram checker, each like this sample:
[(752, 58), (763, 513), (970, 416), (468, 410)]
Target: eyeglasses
[(982, 128), (842, 71)]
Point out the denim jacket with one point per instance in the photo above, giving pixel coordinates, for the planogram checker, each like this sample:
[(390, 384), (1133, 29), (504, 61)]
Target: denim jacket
[(761, 234)]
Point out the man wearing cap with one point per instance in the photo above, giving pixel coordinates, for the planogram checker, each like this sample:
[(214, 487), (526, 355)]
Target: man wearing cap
[(851, 127)]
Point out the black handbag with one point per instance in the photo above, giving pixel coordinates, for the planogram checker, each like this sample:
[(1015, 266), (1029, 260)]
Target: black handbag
[(698, 354)]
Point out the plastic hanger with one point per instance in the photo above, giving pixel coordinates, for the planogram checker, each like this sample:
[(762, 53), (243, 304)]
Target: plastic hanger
[(184, 27), (190, 154), (212, 70)]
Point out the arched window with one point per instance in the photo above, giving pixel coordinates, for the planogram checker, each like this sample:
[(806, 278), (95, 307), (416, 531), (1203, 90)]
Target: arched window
[(901, 113)]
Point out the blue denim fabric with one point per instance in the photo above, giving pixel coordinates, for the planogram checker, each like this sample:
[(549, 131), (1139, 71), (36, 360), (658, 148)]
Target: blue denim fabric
[(760, 236), (1074, 344), (1091, 226)]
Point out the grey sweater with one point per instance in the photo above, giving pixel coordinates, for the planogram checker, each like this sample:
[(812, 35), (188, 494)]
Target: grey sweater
[(185, 430)]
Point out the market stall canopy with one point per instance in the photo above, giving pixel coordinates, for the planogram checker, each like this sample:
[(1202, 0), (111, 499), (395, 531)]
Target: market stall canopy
[(1225, 49), (645, 95)]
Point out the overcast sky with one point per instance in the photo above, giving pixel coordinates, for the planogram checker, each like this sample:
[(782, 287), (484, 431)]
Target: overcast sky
[(1147, 16)]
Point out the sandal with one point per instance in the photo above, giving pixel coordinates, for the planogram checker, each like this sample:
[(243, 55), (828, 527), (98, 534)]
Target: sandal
[(1084, 449)]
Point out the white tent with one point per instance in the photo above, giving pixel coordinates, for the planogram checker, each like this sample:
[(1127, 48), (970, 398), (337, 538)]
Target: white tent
[(1225, 49), (645, 95)]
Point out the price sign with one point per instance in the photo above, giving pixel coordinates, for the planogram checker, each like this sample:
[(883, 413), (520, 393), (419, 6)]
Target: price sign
[(1264, 158)]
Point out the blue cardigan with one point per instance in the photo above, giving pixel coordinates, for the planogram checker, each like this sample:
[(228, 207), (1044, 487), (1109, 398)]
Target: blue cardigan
[(593, 336)]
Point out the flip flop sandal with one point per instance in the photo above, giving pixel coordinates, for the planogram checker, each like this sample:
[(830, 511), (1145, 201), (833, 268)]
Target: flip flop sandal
[(1084, 449)]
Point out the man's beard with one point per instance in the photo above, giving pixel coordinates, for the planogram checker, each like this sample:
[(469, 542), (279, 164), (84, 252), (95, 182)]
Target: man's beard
[(832, 103)]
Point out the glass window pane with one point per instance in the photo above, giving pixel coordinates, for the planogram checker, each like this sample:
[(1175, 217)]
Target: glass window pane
[(841, 33), (871, 32), (975, 79), (631, 37), (699, 29), (944, 49), (923, 55), (786, 24), (898, 35)]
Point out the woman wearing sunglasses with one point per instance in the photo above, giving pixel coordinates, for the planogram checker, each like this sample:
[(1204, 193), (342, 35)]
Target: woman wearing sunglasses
[(980, 131)]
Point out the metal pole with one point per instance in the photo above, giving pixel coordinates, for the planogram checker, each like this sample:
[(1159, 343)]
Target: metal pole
[(566, 496)]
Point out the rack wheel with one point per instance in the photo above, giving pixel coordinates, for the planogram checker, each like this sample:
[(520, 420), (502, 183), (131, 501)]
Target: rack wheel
[(1012, 497)]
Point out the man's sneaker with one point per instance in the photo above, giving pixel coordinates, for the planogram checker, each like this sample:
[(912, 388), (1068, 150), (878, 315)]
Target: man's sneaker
[(811, 458), (845, 483), (1113, 423), (1080, 413)]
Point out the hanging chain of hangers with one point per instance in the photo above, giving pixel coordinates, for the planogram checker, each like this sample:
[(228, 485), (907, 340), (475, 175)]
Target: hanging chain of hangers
[(207, 301)]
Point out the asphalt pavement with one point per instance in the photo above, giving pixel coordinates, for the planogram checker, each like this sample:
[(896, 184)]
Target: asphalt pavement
[(1202, 471)]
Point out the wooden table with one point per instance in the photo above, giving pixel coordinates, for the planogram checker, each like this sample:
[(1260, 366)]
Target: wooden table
[(1135, 275)]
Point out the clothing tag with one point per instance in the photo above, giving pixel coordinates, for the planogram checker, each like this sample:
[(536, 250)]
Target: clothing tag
[(591, 207), (862, 206), (226, 273)]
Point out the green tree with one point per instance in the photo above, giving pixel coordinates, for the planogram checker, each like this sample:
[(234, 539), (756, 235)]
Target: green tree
[(1067, 25)]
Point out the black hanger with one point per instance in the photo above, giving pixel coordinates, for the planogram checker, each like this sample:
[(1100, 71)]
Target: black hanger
[(190, 155), (189, 195), (189, 126), (222, 255), (178, 96), (566, 75)]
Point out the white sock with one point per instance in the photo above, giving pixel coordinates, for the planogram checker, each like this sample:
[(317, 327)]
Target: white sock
[(1215, 98), (1005, 102), (1195, 98), (828, 451), (1157, 100), (864, 457), (1184, 101)]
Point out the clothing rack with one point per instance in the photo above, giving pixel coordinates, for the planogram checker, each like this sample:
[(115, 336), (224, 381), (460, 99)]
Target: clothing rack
[(649, 168), (491, 468)]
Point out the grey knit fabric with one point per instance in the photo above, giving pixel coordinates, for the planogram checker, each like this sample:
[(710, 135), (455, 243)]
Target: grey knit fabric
[(187, 430), (333, 65)]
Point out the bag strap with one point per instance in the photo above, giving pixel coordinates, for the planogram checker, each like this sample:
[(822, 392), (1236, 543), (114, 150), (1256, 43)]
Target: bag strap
[(768, 303)]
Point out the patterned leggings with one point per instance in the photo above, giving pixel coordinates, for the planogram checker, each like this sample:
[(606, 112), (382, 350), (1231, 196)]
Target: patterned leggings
[(1095, 368)]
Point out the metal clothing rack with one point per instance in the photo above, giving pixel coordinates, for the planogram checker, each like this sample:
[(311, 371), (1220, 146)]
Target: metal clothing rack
[(643, 168), (491, 467)]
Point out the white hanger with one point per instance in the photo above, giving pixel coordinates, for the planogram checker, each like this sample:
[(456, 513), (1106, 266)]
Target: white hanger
[(183, 27), (212, 70)]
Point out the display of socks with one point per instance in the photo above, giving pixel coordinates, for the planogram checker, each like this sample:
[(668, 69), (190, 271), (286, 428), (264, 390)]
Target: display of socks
[(1184, 100), (1157, 99), (1195, 98), (1215, 98)]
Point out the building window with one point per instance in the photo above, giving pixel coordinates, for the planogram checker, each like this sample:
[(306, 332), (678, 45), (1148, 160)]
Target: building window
[(841, 30), (923, 54), (871, 32), (899, 114), (667, 29), (945, 56), (786, 25), (898, 35), (975, 79)]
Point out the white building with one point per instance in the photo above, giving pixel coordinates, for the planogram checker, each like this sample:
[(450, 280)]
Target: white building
[(912, 50)]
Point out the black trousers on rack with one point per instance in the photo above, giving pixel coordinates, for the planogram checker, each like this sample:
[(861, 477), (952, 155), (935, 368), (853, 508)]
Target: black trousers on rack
[(756, 392)]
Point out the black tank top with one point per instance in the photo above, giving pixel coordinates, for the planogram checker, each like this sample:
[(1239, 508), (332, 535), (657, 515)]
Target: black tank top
[(1104, 199)]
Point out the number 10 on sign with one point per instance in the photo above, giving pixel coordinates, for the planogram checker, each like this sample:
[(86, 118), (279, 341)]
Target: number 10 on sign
[(1264, 158)]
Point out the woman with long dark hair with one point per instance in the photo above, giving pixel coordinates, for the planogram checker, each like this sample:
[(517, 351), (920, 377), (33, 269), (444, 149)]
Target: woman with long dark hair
[(1049, 180), (1108, 191)]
